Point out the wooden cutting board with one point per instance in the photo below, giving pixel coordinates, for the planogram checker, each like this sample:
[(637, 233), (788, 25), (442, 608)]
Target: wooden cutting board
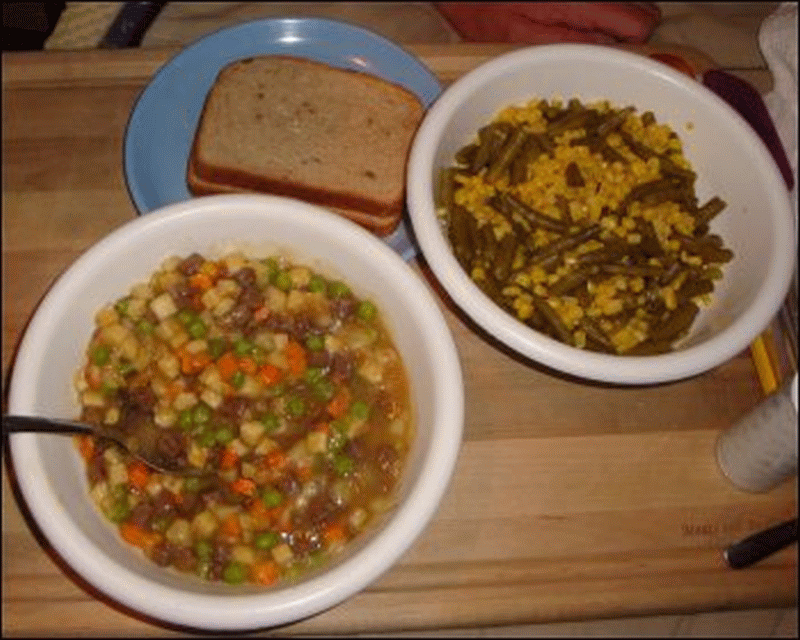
[(571, 499)]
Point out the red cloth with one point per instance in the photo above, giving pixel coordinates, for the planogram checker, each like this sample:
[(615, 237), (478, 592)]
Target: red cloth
[(548, 22)]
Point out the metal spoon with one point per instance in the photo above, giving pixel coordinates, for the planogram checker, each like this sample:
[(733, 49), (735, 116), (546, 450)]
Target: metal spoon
[(141, 444)]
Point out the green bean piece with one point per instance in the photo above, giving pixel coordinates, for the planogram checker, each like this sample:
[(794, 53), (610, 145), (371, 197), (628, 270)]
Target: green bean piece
[(466, 154), (670, 272), (669, 168), (506, 250), (649, 348), (572, 280), (563, 206), (511, 148), (596, 333), (566, 121), (639, 149), (710, 210), (536, 218), (648, 118), (676, 323), (544, 143), (573, 176), (644, 270), (613, 121), (446, 190), (565, 243), (693, 287), (491, 138), (553, 319), (489, 242)]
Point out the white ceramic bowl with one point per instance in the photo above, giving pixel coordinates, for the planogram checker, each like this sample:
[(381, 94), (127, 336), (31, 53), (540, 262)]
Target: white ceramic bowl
[(51, 474), (729, 158)]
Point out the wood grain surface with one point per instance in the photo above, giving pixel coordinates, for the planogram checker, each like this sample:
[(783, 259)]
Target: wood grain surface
[(571, 500)]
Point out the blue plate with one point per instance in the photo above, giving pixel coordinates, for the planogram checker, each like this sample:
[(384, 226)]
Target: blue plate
[(162, 125)]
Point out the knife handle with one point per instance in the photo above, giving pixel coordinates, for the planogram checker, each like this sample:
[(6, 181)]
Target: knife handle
[(760, 545), (129, 26)]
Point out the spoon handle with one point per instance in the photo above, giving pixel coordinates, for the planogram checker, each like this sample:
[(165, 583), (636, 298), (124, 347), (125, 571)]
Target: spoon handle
[(761, 544), (22, 424)]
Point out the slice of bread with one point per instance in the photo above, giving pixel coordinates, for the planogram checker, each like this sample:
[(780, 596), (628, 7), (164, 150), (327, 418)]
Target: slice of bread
[(300, 128)]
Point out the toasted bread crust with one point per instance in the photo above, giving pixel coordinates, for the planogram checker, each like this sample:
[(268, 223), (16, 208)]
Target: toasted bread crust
[(206, 176)]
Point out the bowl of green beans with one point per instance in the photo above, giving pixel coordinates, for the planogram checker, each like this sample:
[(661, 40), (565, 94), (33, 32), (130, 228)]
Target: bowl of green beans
[(601, 214)]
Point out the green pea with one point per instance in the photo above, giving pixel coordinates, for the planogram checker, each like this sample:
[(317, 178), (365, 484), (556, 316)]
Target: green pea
[(259, 355), (337, 289), (270, 422), (271, 497), (359, 410), (101, 354), (237, 379), (272, 269), (324, 389), (186, 316), (108, 387), (343, 465), (145, 326), (266, 540), (366, 311), (315, 343), (242, 347), (125, 368), (224, 435), (283, 281), (185, 420), (234, 572), (122, 306), (216, 347), (197, 329), (316, 284), (201, 413), (192, 484), (160, 523), (119, 510), (312, 374), (203, 549), (207, 438), (296, 407)]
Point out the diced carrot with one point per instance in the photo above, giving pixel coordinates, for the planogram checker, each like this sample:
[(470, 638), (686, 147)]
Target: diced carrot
[(228, 459), (227, 364), (324, 427), (333, 532), (264, 573), (245, 486), (248, 365), (259, 513), (270, 374), (295, 358), (260, 314), (230, 527), (304, 472), (339, 403), (138, 536), (275, 459), (173, 389), (194, 362), (86, 447), (94, 377), (138, 474), (201, 281)]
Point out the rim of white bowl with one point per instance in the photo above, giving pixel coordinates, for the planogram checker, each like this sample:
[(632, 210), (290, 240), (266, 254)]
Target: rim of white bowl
[(250, 611), (630, 370)]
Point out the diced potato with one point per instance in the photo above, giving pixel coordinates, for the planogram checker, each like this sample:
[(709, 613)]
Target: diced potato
[(173, 483), (180, 532), (204, 524), (165, 417), (196, 346), (372, 371), (300, 276), (276, 299), (169, 366), (244, 554), (228, 288), (211, 298), (184, 400), (251, 387), (235, 261), (238, 446), (317, 442), (249, 470), (170, 264), (295, 300), (197, 455), (265, 445), (265, 340), (179, 339), (250, 432), (129, 348), (163, 306), (357, 519), (282, 553), (136, 308), (117, 473), (141, 291), (99, 492), (114, 334), (224, 305), (93, 399), (212, 398), (280, 340), (106, 316)]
